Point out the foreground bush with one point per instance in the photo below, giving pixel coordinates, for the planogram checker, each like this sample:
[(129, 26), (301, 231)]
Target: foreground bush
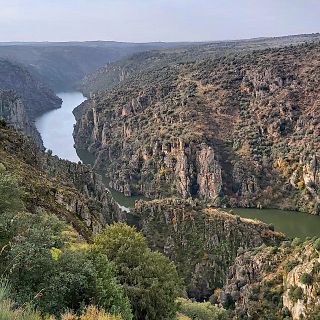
[(44, 269), (91, 313), (150, 279), (7, 309), (46, 265), (201, 310)]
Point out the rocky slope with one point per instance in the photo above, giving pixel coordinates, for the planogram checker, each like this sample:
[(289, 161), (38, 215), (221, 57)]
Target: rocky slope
[(69, 190), (237, 130), (113, 73), (13, 111), (203, 242), (279, 282), (36, 97)]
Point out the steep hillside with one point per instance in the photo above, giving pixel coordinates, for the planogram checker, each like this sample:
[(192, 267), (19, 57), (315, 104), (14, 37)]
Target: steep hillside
[(36, 97), (237, 130), (113, 73), (71, 191), (203, 242), (13, 111), (279, 282), (62, 65)]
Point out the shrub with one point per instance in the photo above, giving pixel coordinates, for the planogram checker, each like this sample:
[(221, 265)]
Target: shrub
[(306, 278), (295, 293), (72, 277), (296, 242), (150, 279), (316, 244), (290, 265), (2, 168), (10, 194), (201, 310), (91, 313)]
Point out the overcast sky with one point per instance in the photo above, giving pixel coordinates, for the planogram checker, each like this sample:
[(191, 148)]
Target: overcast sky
[(155, 20)]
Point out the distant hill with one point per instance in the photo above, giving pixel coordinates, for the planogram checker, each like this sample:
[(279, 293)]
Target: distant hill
[(36, 96), (111, 74), (61, 65)]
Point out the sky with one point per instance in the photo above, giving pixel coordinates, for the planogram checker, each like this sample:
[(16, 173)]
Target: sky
[(155, 20)]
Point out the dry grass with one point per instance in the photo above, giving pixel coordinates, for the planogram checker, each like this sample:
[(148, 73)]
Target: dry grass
[(91, 313)]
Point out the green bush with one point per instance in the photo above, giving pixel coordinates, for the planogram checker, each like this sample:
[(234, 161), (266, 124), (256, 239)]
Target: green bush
[(57, 278), (8, 310), (296, 242), (150, 279), (10, 194), (306, 278), (290, 265), (316, 244), (295, 293), (201, 310)]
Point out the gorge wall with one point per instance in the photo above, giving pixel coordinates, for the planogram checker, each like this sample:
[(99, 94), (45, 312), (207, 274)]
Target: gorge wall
[(203, 242), (36, 96), (276, 282), (12, 110), (62, 65), (71, 191), (235, 130), (22, 99)]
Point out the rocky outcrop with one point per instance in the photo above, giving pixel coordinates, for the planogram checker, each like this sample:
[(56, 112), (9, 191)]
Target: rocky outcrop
[(275, 282), (71, 191), (36, 97), (12, 111), (203, 242), (234, 131)]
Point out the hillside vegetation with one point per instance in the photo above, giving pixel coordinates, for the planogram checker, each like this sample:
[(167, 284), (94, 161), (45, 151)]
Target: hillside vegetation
[(237, 130)]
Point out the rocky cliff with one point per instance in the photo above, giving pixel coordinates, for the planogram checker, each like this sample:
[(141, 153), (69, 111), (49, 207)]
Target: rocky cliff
[(279, 282), (235, 130), (71, 191), (37, 98), (203, 242), (12, 111)]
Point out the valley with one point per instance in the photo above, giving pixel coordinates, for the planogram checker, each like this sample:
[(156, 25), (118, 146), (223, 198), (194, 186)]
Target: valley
[(141, 175), (56, 129)]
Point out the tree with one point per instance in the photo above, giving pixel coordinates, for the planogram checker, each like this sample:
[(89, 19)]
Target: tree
[(306, 278), (46, 269), (149, 278), (10, 193)]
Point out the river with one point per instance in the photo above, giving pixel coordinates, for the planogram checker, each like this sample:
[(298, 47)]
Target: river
[(56, 129)]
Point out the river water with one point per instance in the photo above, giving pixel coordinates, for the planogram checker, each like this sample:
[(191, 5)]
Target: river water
[(56, 129), (56, 126)]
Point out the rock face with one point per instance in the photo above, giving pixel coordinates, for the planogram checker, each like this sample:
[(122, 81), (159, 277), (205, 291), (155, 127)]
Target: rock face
[(71, 191), (37, 98), (203, 242), (241, 130), (275, 282), (12, 111)]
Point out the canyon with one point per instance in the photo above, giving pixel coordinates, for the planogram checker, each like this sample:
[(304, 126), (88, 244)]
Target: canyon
[(194, 129), (236, 131)]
